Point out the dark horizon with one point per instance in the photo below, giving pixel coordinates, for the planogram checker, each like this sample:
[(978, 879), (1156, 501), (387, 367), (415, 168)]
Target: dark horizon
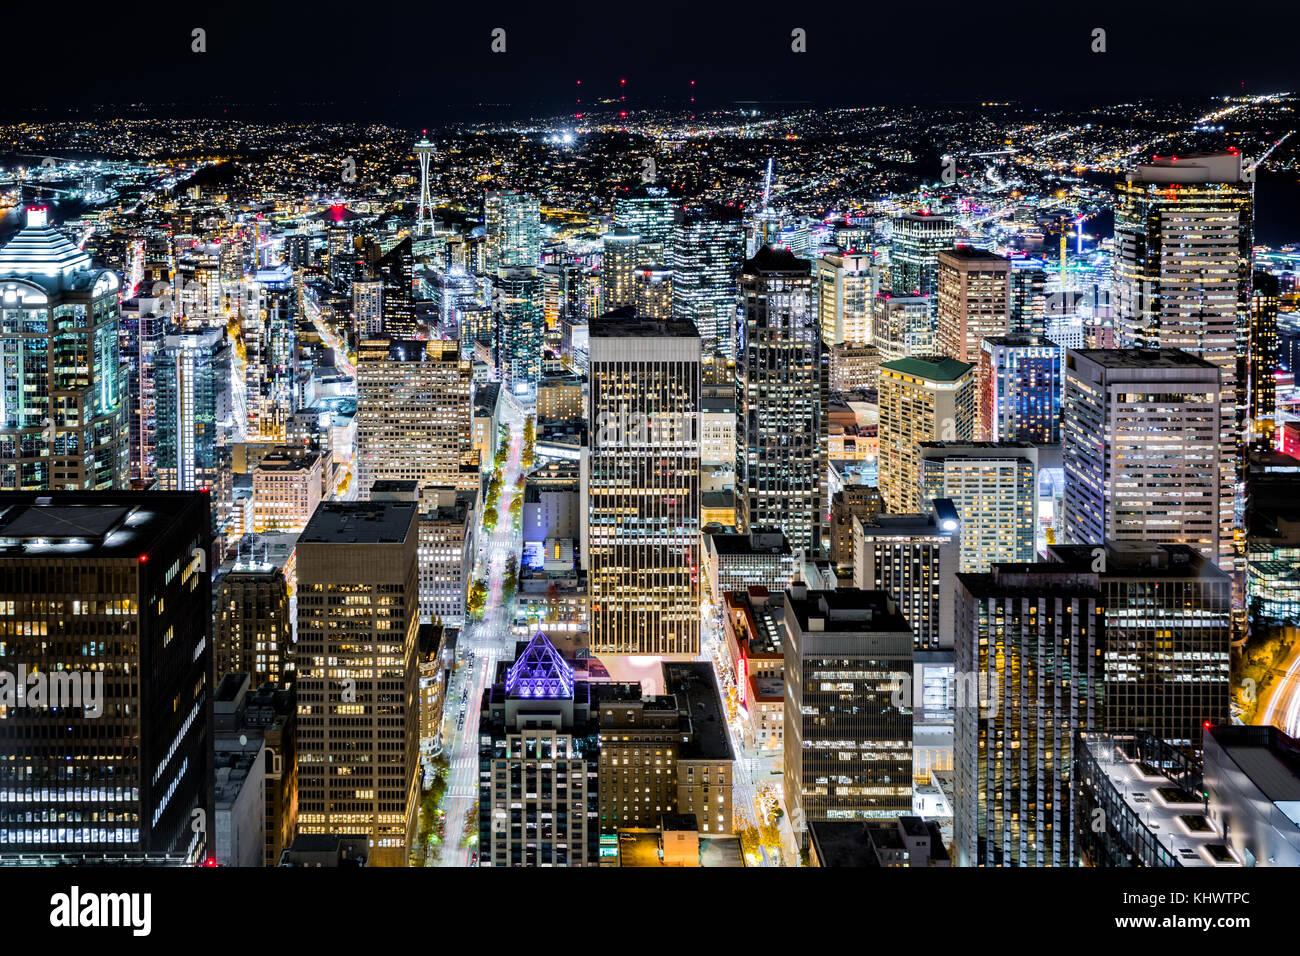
[(433, 66)]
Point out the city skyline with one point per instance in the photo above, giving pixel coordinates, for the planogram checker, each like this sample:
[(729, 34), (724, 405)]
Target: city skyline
[(638, 438)]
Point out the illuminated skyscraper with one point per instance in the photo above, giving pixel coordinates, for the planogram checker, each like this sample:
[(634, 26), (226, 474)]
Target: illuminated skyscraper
[(517, 300), (1140, 446), (1183, 233), (254, 621), (652, 290), (358, 726), (708, 248), (396, 270), (1125, 639), (1168, 638), (144, 321), (513, 221), (921, 399), (1263, 362), (994, 487), (1020, 389), (913, 558), (914, 252), (848, 737), (367, 309), (1028, 296), (198, 407), (539, 750), (618, 261), (650, 213), (63, 415), (846, 288), (783, 377), (106, 604), (644, 486), (903, 326), (1028, 657), (974, 300), (414, 415)]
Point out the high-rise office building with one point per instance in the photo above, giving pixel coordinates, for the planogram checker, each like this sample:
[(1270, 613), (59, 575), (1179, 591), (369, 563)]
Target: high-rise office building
[(783, 377), (1028, 660), (1128, 640), (448, 546), (708, 249), (1183, 235), (358, 723), (650, 213), (144, 321), (539, 759), (903, 326), (513, 223), (1021, 381), (107, 702), (396, 270), (367, 309), (620, 256), (518, 322), (1166, 653), (913, 559), (287, 483), (1261, 368), (848, 714), (63, 410), (652, 290), (414, 415), (846, 289), (1028, 296), (921, 399), (1140, 446), (994, 487), (254, 621), (644, 486), (847, 504), (198, 407), (914, 249), (974, 297)]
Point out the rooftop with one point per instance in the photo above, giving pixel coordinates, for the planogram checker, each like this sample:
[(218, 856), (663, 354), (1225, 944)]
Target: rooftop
[(936, 369), (357, 522), (847, 610), (1138, 559), (90, 525), (777, 259), (1142, 358), (693, 684), (624, 322)]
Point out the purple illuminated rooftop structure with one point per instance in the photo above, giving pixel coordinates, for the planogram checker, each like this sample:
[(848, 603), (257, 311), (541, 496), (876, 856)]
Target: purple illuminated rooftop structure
[(540, 672)]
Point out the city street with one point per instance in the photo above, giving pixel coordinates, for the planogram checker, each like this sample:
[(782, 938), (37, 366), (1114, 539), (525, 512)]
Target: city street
[(480, 647)]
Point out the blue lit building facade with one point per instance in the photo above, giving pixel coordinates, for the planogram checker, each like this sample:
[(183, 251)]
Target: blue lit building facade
[(706, 257), (63, 401), (1021, 384), (193, 387)]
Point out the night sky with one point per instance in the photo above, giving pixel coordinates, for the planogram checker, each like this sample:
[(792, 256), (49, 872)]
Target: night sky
[(431, 61)]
